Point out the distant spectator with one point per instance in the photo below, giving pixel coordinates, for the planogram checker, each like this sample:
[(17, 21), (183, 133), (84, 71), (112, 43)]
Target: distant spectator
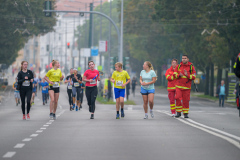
[(134, 83), (221, 93)]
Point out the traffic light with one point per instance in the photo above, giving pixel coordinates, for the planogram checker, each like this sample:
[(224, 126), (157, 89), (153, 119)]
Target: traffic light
[(68, 45), (125, 63), (48, 6)]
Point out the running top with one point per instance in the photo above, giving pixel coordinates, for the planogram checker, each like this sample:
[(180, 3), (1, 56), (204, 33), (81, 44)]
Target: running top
[(15, 86), (120, 78), (76, 84), (25, 83), (147, 77), (34, 86), (69, 86), (44, 87), (90, 75), (54, 76)]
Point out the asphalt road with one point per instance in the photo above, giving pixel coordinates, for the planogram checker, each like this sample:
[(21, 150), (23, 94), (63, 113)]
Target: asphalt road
[(211, 133)]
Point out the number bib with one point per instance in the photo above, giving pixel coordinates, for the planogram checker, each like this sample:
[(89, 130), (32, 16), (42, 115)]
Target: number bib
[(26, 83), (93, 82), (69, 87), (44, 89), (55, 84), (76, 84), (119, 83)]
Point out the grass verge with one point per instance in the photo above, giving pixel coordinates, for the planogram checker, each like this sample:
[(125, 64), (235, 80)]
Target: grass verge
[(206, 96), (104, 101)]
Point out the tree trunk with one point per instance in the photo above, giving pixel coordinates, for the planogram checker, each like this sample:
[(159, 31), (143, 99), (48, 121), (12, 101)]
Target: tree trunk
[(207, 81), (226, 83), (212, 81), (219, 77)]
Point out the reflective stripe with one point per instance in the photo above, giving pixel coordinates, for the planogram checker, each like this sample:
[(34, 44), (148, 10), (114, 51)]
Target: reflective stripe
[(178, 107), (173, 108), (183, 87), (172, 105), (171, 87), (175, 73), (167, 76), (235, 65), (190, 77), (172, 77), (185, 111), (183, 77)]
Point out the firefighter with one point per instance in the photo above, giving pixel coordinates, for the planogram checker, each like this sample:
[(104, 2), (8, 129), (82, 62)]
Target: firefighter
[(185, 74), (171, 86)]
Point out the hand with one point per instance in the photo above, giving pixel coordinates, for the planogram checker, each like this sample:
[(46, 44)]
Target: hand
[(185, 72), (143, 83), (62, 76), (51, 82), (26, 77), (180, 74), (90, 80), (31, 80), (113, 81), (123, 85), (71, 83)]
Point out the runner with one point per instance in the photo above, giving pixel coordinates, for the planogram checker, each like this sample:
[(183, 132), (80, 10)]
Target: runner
[(16, 92), (25, 79), (69, 89), (90, 77), (37, 81), (76, 88), (171, 86), (82, 93), (34, 91), (147, 79), (53, 77), (44, 86), (119, 78)]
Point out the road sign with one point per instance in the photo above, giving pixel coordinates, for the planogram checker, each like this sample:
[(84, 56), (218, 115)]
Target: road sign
[(86, 52), (75, 53), (99, 68), (94, 51), (103, 46)]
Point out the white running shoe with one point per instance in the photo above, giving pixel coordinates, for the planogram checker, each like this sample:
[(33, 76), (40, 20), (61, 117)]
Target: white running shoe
[(146, 117), (152, 115), (173, 115)]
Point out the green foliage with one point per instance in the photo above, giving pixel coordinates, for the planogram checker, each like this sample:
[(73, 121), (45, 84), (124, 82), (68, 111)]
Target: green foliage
[(21, 15)]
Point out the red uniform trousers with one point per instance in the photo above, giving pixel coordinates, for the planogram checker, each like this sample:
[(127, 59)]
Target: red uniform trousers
[(184, 95), (171, 96)]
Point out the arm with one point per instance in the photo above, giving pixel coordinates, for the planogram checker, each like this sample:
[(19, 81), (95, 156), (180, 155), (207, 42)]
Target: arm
[(80, 79), (112, 80), (168, 76), (20, 78), (86, 80), (126, 83), (46, 78), (193, 75), (140, 80), (99, 78), (13, 86), (153, 81), (66, 80)]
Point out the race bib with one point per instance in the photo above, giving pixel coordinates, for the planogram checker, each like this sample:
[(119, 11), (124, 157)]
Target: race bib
[(26, 83), (69, 87), (55, 84), (76, 84), (93, 82), (44, 89), (119, 83)]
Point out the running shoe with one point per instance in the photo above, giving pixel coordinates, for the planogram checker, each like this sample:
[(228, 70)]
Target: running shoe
[(43, 103), (117, 116), (54, 116), (122, 113), (146, 117), (24, 117), (51, 116), (92, 116), (73, 106), (173, 115), (80, 106), (28, 116), (152, 115), (76, 108), (70, 108), (16, 104)]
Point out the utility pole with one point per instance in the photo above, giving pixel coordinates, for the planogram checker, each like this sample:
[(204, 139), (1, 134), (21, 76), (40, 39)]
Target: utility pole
[(79, 42), (90, 30), (109, 42), (100, 54), (121, 41), (73, 44), (85, 58), (66, 49)]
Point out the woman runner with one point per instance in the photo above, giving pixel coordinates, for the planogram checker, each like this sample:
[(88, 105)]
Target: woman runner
[(16, 92), (25, 79), (53, 77), (69, 89), (147, 79), (90, 77)]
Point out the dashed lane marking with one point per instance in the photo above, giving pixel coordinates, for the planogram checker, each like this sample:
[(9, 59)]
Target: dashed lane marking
[(43, 128), (27, 139), (34, 135), (9, 154), (39, 131), (19, 145)]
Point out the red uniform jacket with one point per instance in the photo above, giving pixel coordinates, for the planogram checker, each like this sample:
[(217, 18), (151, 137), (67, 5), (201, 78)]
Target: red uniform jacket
[(171, 79), (184, 82)]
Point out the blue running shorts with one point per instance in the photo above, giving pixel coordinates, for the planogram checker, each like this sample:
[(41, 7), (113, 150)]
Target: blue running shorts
[(119, 92), (146, 92)]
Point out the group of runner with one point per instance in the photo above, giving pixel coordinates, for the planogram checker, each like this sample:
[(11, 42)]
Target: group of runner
[(51, 83)]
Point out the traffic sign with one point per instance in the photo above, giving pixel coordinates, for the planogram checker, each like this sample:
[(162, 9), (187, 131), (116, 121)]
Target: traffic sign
[(94, 51), (103, 46)]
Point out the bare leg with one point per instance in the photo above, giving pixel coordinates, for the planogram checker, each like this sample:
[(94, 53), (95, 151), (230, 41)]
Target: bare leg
[(56, 96), (51, 94), (145, 103)]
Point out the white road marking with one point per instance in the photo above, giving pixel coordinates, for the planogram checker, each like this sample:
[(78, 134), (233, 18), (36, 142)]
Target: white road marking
[(48, 123), (235, 143), (27, 139), (60, 107), (45, 125), (19, 145), (43, 128), (130, 107), (51, 120), (9, 154), (39, 131), (34, 135)]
